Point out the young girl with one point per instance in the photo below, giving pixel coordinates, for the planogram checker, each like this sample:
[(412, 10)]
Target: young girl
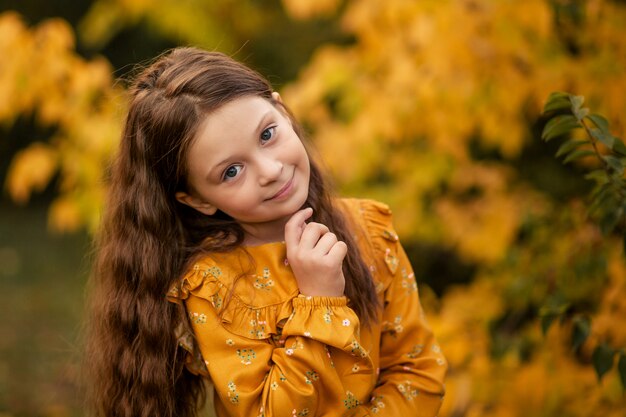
[(223, 257)]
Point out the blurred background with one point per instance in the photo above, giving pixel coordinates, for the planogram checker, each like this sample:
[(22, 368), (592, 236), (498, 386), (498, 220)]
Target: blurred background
[(432, 106)]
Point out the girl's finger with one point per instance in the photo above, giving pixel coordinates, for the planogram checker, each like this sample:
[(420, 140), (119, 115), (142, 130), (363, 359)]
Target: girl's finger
[(338, 251), (295, 225), (325, 243), (311, 234)]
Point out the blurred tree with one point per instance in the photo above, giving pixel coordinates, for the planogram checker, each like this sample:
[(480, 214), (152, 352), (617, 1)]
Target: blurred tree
[(77, 99), (257, 31)]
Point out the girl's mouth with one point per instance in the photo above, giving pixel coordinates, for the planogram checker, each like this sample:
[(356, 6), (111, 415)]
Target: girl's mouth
[(283, 191)]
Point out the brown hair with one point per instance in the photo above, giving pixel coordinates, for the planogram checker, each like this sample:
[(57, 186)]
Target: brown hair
[(133, 364)]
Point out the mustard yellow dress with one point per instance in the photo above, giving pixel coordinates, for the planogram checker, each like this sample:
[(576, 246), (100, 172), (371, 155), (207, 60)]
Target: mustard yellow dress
[(272, 352)]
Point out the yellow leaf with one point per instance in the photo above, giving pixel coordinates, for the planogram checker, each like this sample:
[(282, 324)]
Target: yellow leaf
[(64, 215), (31, 169), (306, 9)]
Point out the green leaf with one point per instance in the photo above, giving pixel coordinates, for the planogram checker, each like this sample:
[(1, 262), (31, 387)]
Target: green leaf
[(609, 220), (554, 308), (621, 368), (581, 113), (546, 322), (556, 105), (559, 125), (577, 103), (605, 188), (581, 153), (602, 359), (569, 145), (604, 199), (598, 175), (615, 164), (606, 138), (619, 147), (557, 101), (580, 331), (600, 122)]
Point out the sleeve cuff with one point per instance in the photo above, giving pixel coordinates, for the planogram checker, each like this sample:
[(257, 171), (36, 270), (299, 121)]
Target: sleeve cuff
[(312, 301)]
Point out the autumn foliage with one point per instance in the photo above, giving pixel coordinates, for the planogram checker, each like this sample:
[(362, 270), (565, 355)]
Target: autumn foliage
[(434, 109)]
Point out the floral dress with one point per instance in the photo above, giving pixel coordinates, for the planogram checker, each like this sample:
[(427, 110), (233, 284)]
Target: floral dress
[(270, 351)]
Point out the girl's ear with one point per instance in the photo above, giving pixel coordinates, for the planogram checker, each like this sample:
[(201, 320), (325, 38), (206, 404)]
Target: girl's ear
[(277, 97), (193, 202)]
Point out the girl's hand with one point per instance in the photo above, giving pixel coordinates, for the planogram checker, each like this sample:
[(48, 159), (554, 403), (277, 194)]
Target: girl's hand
[(315, 256)]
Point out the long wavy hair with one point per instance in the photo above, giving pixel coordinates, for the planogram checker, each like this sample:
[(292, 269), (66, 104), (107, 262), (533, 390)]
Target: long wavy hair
[(134, 366)]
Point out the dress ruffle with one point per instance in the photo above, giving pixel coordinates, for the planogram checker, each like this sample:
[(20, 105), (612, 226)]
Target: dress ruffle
[(376, 219), (237, 316)]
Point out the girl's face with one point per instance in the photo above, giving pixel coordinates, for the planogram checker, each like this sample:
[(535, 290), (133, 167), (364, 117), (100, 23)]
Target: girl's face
[(248, 162)]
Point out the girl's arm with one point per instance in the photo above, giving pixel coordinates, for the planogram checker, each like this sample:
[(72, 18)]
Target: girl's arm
[(412, 367), (293, 375)]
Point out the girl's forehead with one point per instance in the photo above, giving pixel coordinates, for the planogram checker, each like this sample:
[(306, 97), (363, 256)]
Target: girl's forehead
[(241, 110), (237, 121)]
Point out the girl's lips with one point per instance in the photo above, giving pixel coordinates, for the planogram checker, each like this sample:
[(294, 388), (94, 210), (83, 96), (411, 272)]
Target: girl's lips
[(283, 191)]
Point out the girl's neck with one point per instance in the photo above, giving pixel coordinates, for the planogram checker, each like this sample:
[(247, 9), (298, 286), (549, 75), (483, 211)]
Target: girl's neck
[(259, 234)]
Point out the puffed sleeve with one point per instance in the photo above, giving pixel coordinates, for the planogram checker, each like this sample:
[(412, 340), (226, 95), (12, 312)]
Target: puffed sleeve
[(269, 372), (412, 367)]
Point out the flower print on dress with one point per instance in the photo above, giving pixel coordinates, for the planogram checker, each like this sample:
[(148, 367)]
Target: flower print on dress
[(216, 300), (328, 315), (350, 401), (257, 330), (246, 355), (264, 282), (395, 327), (391, 260), (233, 396), (389, 235), (214, 271), (198, 318), (407, 390), (376, 404), (408, 281), (357, 350), (294, 346), (415, 352), (311, 376)]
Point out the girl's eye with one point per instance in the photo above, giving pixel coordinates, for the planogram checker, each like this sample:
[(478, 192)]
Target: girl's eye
[(268, 133), (232, 171)]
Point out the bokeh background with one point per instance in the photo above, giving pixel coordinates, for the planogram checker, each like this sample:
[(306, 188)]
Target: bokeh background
[(432, 106)]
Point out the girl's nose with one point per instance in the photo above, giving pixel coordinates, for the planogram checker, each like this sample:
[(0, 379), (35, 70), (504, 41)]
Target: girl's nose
[(269, 170)]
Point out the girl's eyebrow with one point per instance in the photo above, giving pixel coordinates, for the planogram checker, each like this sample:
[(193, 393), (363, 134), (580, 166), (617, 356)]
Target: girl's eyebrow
[(216, 167), (259, 126), (262, 120)]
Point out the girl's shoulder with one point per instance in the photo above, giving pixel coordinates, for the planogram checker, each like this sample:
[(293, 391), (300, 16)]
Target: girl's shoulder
[(366, 211), (370, 219), (372, 224)]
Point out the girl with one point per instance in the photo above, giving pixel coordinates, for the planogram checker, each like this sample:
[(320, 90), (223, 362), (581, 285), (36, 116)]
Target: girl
[(222, 255)]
